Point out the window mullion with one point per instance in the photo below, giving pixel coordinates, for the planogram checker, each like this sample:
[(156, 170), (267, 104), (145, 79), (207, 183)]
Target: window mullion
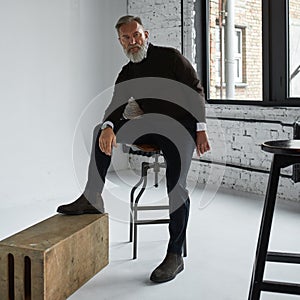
[(275, 50)]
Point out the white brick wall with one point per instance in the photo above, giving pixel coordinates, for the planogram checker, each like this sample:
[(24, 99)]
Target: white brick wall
[(243, 138), (238, 135), (161, 18)]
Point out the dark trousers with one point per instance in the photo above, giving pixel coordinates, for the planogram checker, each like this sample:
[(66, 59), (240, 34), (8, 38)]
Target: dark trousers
[(177, 149)]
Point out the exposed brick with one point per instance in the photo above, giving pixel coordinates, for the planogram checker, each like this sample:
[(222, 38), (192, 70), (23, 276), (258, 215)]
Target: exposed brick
[(237, 141)]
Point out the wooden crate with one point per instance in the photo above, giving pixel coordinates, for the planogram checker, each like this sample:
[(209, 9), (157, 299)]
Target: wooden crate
[(53, 258)]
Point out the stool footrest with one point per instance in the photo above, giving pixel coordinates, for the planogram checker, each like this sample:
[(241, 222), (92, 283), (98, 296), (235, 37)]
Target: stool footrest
[(146, 207), (148, 222), (281, 257), (280, 287)]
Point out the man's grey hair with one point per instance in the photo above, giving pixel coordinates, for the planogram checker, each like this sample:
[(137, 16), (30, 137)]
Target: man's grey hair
[(127, 19)]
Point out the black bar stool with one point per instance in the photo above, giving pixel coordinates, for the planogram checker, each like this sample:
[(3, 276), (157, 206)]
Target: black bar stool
[(134, 200), (286, 153)]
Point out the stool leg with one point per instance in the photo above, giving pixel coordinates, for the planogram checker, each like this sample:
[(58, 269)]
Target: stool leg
[(265, 230), (134, 232), (156, 170), (131, 212), (132, 200), (131, 223), (145, 167)]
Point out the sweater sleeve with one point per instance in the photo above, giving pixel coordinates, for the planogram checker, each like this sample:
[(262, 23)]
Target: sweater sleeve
[(186, 74), (115, 109)]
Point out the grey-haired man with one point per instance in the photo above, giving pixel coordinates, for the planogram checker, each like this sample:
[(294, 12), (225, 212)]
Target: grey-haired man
[(158, 100)]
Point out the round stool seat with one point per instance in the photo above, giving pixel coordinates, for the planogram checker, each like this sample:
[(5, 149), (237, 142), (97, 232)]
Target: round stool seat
[(283, 147), (144, 150)]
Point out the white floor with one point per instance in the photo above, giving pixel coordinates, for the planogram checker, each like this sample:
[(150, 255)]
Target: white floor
[(221, 245)]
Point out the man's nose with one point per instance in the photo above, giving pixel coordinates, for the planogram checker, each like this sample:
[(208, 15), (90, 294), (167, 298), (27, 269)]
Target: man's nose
[(132, 40)]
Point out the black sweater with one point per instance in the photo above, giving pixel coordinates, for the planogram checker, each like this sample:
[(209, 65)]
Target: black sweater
[(163, 83)]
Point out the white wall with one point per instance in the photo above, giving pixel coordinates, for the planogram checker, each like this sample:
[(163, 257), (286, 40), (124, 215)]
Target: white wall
[(55, 57)]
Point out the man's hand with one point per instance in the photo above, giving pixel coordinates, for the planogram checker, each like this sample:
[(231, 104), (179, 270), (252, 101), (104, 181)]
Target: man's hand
[(107, 139), (202, 143)]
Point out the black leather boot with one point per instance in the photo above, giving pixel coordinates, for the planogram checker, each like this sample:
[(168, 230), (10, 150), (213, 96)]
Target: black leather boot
[(168, 269), (78, 207)]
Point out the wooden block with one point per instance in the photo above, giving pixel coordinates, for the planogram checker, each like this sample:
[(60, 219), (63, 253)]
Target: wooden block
[(52, 259)]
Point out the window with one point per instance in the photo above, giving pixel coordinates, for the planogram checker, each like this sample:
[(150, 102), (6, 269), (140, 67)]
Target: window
[(235, 28), (220, 58), (294, 48), (238, 56), (252, 53)]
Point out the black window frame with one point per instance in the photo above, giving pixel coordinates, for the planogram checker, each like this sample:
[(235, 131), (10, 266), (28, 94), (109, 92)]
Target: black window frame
[(275, 56)]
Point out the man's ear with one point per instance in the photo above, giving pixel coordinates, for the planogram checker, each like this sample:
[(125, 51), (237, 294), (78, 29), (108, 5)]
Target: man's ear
[(146, 34)]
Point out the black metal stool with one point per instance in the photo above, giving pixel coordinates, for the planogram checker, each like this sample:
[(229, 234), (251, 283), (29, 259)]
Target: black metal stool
[(286, 153), (134, 200)]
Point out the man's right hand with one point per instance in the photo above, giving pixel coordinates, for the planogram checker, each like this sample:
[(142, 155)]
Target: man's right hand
[(107, 139)]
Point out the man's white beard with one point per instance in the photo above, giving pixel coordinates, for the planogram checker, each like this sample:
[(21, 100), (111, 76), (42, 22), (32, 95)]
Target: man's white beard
[(139, 55)]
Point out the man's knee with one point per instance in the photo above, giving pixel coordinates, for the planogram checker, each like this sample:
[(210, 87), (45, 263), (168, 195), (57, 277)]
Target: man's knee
[(97, 128)]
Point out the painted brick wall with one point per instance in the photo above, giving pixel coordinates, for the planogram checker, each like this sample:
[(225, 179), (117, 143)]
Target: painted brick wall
[(161, 18), (234, 135), (243, 129)]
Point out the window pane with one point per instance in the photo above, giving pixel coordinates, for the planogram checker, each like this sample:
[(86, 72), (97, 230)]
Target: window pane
[(239, 41), (235, 49), (238, 73), (294, 49)]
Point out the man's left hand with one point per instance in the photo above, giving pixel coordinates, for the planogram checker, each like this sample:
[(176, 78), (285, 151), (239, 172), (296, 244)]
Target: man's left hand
[(202, 143)]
